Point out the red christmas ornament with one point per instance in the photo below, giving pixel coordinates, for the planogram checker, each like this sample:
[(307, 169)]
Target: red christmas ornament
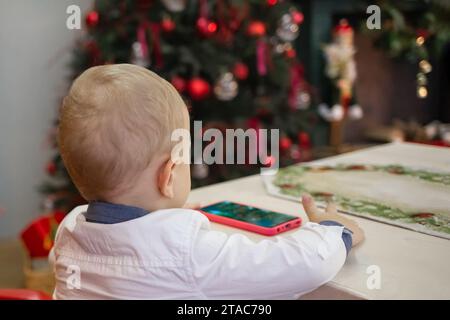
[(206, 27), (51, 168), (256, 29), (179, 83), (167, 25), (290, 53), (269, 161), (92, 19), (272, 2), (303, 140), (198, 88), (285, 143), (240, 71), (297, 17)]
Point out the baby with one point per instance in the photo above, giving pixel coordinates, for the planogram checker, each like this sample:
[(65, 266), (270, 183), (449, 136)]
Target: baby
[(135, 239)]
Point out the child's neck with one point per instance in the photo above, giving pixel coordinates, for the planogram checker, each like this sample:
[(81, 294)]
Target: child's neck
[(143, 200)]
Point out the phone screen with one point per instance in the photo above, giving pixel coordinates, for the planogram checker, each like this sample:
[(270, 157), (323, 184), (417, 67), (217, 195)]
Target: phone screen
[(260, 217)]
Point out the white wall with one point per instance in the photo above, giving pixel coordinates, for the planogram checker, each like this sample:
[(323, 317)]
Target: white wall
[(35, 48)]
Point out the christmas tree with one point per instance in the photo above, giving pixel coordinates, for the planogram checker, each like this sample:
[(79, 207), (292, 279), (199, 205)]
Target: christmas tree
[(233, 61)]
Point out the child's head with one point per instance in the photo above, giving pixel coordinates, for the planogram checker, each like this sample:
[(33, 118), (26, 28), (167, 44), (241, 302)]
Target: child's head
[(115, 137)]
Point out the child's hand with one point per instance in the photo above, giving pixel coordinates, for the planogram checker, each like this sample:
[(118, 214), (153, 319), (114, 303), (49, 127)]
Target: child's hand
[(316, 215)]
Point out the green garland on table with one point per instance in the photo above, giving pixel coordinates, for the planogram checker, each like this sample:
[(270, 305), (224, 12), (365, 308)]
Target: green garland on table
[(287, 181)]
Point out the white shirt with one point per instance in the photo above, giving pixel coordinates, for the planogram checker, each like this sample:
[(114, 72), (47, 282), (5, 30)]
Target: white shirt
[(174, 254)]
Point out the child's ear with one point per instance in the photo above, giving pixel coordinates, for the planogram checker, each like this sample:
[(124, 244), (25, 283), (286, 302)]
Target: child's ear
[(165, 179)]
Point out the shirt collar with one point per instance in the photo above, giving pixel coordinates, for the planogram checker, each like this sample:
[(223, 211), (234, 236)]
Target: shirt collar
[(109, 213)]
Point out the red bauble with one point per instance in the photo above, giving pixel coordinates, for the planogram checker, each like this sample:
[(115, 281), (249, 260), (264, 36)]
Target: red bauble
[(285, 143), (206, 27), (290, 53), (297, 17), (272, 2), (51, 168), (304, 140), (92, 19), (179, 83), (198, 88), (167, 25), (256, 29), (240, 71), (269, 161)]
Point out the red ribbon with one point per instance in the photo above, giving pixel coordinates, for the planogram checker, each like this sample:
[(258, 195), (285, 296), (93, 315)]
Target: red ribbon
[(261, 57), (156, 42)]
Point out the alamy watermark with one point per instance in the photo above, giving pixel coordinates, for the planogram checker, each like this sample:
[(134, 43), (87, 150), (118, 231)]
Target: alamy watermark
[(73, 281), (73, 21), (373, 281), (236, 146), (373, 22)]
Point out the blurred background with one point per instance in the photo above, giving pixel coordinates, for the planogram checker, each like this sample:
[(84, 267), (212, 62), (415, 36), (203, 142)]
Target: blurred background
[(333, 76)]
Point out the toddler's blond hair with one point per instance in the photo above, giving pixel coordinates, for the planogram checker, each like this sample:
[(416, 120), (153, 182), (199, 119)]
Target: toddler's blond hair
[(112, 123)]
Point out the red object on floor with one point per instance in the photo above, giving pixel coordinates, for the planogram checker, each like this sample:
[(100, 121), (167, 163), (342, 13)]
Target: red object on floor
[(23, 294), (38, 236)]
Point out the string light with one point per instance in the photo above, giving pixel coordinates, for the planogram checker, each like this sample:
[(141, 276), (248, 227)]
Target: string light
[(424, 68), (420, 41), (422, 92)]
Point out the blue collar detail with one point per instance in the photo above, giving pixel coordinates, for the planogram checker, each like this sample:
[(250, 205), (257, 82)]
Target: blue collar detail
[(110, 213)]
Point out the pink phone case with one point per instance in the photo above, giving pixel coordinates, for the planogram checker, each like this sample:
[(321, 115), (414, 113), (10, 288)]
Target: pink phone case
[(295, 223)]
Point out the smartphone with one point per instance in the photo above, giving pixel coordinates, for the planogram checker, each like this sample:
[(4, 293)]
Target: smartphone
[(249, 218)]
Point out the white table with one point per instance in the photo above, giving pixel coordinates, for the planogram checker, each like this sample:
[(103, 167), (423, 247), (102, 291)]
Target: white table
[(412, 265)]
